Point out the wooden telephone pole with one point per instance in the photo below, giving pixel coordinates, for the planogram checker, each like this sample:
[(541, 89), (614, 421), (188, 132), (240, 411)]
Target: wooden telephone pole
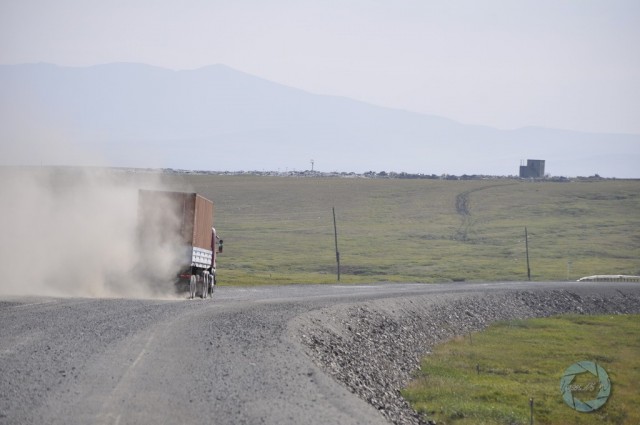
[(335, 233), (526, 244)]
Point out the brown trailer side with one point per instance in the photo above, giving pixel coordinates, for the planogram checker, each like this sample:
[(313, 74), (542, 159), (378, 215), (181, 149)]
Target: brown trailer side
[(178, 218), (203, 222)]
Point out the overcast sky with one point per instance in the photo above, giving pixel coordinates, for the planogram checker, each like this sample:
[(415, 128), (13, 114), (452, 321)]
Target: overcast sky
[(572, 64)]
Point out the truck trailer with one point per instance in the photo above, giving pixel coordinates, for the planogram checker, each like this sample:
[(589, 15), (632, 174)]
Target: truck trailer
[(182, 224)]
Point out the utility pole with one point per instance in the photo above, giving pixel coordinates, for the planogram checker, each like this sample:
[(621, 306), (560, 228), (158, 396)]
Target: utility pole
[(335, 233), (526, 244)]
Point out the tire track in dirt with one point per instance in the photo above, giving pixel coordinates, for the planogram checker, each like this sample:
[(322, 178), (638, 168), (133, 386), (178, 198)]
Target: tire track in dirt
[(463, 209)]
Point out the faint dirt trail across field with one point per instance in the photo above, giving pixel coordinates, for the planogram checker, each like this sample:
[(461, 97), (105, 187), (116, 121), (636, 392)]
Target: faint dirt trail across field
[(463, 209)]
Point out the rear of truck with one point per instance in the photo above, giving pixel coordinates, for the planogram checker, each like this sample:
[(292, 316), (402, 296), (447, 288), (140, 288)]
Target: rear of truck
[(180, 223)]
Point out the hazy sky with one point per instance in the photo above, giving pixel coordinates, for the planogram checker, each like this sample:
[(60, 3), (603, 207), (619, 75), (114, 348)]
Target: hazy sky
[(571, 64)]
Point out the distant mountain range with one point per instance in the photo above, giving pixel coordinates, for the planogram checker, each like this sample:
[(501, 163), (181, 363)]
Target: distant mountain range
[(217, 118)]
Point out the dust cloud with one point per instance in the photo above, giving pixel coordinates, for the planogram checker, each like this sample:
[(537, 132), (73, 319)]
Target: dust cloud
[(74, 232)]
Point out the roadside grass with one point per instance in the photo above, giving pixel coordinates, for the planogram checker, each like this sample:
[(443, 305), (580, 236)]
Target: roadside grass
[(523, 359), (280, 229)]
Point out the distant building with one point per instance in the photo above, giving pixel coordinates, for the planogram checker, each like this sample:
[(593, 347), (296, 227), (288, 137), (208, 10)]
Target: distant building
[(533, 169)]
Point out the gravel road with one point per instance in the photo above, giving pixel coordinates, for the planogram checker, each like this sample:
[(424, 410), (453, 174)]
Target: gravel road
[(301, 354)]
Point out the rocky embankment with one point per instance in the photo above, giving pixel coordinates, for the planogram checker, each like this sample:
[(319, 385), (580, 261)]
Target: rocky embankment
[(374, 347)]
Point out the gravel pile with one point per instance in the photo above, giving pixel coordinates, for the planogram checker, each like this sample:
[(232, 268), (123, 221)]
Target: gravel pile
[(374, 347)]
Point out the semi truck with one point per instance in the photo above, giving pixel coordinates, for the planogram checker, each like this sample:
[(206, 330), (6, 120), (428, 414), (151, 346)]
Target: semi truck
[(178, 227)]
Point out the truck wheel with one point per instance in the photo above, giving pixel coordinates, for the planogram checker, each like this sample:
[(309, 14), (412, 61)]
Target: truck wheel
[(192, 286)]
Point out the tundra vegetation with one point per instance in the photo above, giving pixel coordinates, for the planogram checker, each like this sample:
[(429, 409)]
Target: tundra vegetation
[(481, 379), (280, 229)]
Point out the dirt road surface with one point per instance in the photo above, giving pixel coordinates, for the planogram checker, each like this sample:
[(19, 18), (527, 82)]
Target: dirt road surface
[(235, 359)]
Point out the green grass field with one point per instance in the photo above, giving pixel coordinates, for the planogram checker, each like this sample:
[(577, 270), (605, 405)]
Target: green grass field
[(280, 229), (479, 379)]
